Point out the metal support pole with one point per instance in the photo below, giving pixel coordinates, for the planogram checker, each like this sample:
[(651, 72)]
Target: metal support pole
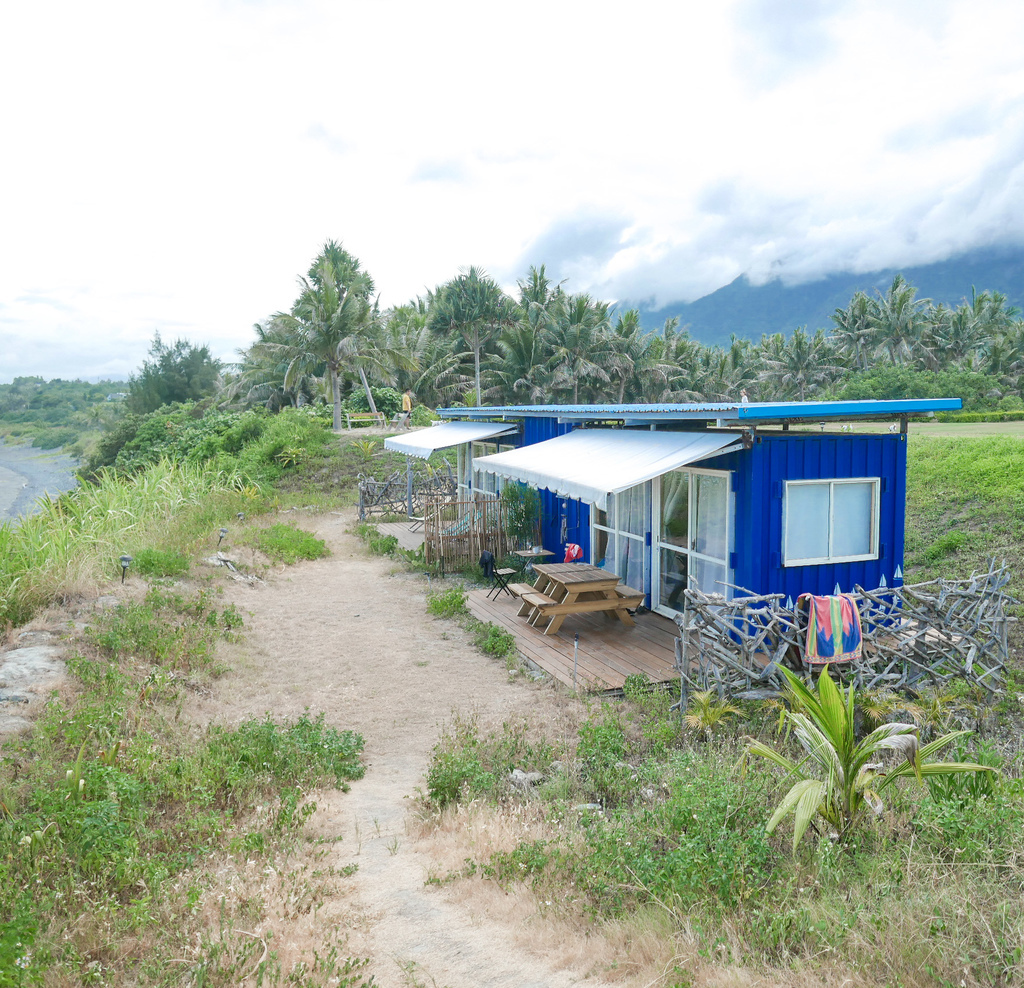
[(575, 656), (408, 485)]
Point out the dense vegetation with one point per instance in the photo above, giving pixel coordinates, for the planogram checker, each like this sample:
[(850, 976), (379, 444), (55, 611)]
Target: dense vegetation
[(58, 413), (468, 342)]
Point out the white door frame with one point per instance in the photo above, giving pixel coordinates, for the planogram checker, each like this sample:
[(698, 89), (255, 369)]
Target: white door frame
[(657, 545)]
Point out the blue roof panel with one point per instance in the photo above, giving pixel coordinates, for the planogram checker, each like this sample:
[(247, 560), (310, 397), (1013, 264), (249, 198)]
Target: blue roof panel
[(733, 412)]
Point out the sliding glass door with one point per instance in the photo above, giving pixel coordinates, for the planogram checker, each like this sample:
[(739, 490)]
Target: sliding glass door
[(692, 508)]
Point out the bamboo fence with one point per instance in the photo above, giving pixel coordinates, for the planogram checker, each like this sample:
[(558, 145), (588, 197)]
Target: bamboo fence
[(455, 533), (930, 632)]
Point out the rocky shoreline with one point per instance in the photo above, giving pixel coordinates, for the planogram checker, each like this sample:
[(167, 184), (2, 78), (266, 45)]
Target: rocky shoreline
[(27, 473)]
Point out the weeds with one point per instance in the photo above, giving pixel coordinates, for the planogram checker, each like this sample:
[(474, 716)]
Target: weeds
[(448, 603), (288, 544), (109, 803), (160, 563), (76, 539), (634, 818)]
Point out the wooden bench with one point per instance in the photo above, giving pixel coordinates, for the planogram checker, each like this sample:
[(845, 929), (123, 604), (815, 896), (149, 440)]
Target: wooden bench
[(533, 599), (544, 607), (629, 593), (520, 588), (371, 417)]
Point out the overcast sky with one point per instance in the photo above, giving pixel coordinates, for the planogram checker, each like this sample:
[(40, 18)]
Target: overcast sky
[(174, 167)]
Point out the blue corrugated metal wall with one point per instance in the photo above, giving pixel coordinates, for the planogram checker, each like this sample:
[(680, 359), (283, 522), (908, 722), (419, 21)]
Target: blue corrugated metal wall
[(759, 480), (552, 507)]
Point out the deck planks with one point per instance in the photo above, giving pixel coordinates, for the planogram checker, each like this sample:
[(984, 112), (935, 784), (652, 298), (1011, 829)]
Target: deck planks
[(608, 650), (401, 531)]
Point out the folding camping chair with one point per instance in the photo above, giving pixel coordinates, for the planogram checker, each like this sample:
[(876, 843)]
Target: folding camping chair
[(497, 575)]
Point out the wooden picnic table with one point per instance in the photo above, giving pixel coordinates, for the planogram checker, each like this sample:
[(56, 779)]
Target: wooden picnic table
[(576, 588)]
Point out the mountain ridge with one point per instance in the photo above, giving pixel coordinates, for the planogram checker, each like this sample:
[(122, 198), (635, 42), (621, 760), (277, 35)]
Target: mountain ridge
[(752, 310)]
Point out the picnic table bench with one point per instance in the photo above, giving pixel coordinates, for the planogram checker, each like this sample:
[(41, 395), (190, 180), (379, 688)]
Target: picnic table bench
[(574, 588), (372, 417)]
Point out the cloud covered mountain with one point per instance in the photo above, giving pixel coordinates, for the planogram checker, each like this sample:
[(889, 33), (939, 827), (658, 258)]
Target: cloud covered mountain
[(749, 310)]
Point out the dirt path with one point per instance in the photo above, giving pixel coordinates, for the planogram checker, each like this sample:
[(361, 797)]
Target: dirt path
[(350, 636)]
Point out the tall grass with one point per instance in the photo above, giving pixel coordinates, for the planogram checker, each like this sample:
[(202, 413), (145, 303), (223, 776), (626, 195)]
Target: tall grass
[(75, 540)]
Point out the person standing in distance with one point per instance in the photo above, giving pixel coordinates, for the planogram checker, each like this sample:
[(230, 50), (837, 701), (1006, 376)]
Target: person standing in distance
[(406, 407)]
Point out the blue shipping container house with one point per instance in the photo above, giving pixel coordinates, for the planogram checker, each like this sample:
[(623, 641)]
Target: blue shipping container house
[(758, 498)]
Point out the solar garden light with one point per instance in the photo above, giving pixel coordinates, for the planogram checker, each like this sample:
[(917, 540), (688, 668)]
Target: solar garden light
[(240, 516), (126, 561), (223, 532)]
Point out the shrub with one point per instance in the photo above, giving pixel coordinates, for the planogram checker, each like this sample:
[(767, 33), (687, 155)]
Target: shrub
[(54, 438), (387, 400), (421, 417), (456, 770), (704, 844), (494, 640), (383, 545)]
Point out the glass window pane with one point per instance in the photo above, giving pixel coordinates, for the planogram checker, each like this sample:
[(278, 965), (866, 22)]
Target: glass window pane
[(673, 579), (711, 535), (675, 509), (806, 521), (707, 576), (634, 509), (599, 548), (853, 516), (610, 514), (631, 565)]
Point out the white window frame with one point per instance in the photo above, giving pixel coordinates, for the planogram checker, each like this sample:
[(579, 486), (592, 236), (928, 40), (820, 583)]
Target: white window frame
[(832, 483), (477, 489)]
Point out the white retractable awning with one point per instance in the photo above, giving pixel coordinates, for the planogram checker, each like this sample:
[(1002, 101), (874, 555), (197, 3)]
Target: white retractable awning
[(590, 464), (423, 442)]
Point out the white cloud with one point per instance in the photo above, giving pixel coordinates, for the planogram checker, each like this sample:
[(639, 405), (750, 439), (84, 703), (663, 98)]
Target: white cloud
[(176, 168)]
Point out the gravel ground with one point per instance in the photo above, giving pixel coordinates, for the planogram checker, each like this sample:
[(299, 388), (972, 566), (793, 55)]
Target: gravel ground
[(26, 474)]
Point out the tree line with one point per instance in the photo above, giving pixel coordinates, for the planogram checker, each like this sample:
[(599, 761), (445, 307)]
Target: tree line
[(469, 342)]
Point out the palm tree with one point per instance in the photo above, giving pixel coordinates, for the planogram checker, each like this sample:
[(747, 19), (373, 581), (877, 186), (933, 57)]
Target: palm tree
[(333, 326), (576, 331), (475, 308), (899, 321), (636, 359), (805, 363), (955, 333), (856, 329), (521, 371)]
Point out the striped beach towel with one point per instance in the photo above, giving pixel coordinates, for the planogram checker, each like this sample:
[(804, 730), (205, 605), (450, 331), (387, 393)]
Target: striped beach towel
[(833, 629)]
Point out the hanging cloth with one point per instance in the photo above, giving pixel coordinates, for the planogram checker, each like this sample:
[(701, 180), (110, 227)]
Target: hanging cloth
[(833, 629)]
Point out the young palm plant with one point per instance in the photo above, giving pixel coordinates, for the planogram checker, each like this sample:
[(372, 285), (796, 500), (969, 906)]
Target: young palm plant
[(706, 711), (840, 778)]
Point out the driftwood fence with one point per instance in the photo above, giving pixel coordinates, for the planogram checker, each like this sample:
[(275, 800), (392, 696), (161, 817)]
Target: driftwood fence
[(456, 532), (929, 632), (403, 493)]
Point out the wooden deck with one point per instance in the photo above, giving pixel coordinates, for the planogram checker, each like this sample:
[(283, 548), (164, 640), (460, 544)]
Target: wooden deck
[(608, 651), (400, 530)]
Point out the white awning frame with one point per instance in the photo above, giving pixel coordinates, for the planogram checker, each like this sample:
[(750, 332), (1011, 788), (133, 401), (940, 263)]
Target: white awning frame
[(590, 464), (423, 442)]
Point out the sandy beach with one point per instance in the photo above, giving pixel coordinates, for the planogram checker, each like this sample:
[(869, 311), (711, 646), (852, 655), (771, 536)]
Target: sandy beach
[(26, 474)]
